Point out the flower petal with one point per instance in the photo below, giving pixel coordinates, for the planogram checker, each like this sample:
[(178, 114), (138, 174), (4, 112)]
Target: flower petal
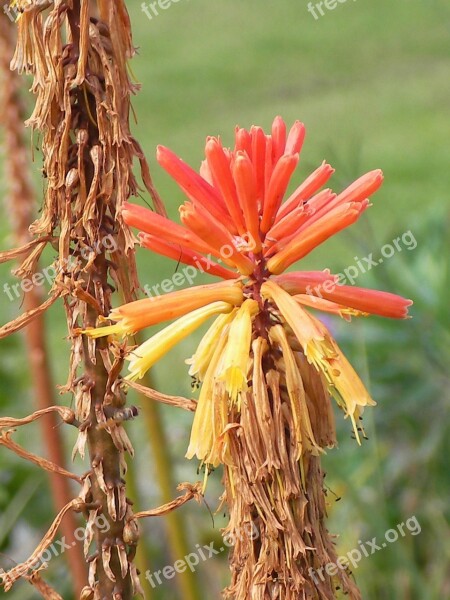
[(278, 138), (258, 161), (137, 315), (184, 255), (333, 222), (219, 165), (310, 186), (243, 142), (216, 235), (244, 177), (374, 302), (277, 188), (203, 355), (358, 191), (234, 369), (295, 138), (209, 420), (148, 353), (150, 222), (194, 186)]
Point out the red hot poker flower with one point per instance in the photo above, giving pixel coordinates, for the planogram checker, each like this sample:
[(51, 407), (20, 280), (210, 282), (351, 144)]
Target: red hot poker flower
[(267, 366), (236, 215)]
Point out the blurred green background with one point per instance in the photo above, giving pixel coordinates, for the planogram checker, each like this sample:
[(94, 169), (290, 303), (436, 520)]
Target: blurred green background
[(371, 82)]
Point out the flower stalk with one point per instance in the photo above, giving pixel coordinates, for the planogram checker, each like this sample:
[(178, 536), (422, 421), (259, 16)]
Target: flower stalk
[(77, 53), (21, 207)]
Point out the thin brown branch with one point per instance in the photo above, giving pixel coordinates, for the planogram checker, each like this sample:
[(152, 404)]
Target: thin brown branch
[(10, 577), (66, 414), (193, 492), (43, 463), (178, 401), (27, 317)]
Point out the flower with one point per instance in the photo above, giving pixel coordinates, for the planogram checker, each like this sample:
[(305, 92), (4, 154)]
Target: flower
[(235, 362), (134, 316), (237, 215), (154, 348), (268, 367)]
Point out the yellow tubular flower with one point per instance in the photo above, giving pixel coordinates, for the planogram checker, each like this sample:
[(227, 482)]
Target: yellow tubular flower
[(154, 348), (235, 364), (296, 392), (200, 360), (298, 319), (205, 426), (346, 386), (323, 352)]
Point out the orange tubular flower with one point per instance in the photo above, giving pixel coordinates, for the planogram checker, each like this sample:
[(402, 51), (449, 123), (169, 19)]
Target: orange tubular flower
[(184, 255), (310, 186), (219, 166), (372, 302), (140, 314), (245, 179), (277, 187), (266, 365), (312, 235)]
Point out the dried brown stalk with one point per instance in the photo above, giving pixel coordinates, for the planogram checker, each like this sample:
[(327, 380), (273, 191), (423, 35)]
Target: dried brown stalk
[(22, 206), (274, 482), (77, 52)]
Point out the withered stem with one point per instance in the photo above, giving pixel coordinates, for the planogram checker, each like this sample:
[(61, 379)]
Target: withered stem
[(23, 206)]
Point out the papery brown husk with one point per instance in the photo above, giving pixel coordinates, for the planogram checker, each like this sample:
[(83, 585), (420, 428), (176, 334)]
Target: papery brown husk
[(277, 502)]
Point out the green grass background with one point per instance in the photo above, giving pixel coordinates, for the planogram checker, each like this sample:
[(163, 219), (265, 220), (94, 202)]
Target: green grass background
[(371, 81)]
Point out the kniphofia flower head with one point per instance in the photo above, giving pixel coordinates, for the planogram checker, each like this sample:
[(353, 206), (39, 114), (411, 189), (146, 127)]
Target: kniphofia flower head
[(238, 226), (267, 365)]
